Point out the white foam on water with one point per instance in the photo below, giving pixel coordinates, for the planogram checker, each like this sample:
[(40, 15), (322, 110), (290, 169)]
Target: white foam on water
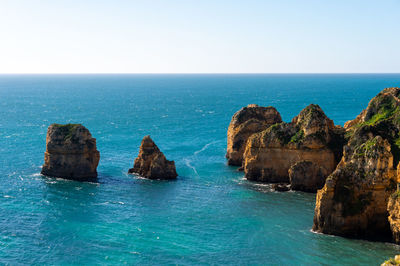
[(187, 162), (205, 147)]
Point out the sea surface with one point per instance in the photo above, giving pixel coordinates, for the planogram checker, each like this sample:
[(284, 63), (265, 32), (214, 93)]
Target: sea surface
[(209, 215)]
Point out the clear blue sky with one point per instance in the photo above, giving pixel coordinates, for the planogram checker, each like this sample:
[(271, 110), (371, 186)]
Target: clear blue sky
[(202, 36)]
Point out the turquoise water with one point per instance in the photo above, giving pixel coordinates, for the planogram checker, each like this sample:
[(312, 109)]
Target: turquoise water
[(210, 215)]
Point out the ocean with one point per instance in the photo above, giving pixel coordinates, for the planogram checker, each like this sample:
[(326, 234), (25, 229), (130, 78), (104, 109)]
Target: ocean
[(209, 215)]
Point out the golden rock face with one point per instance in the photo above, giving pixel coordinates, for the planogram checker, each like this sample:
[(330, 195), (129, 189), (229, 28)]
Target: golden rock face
[(311, 136), (244, 123), (151, 162), (394, 217), (355, 199), (71, 153)]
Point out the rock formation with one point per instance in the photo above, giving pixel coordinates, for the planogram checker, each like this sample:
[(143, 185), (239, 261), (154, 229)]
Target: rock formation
[(392, 261), (355, 197), (307, 176), (151, 162), (280, 187), (71, 153), (244, 123), (394, 216), (310, 136)]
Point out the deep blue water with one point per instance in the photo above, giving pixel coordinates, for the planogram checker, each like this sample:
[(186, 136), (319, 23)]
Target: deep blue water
[(210, 215)]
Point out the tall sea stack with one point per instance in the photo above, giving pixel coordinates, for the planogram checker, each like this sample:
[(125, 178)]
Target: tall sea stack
[(71, 153)]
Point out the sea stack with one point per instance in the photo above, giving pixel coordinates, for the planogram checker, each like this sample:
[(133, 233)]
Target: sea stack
[(354, 200), (310, 143), (151, 162), (244, 123), (71, 153)]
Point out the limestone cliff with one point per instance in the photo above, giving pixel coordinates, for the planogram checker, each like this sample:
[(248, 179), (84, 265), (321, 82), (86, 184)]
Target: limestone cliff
[(307, 176), (244, 123), (354, 200), (151, 162), (71, 153), (394, 216), (311, 136)]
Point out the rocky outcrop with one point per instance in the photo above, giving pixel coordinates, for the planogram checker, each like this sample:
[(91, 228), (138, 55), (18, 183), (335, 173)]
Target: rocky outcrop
[(394, 216), (244, 123), (71, 153), (354, 199), (151, 162), (307, 176), (311, 136), (392, 261), (280, 187)]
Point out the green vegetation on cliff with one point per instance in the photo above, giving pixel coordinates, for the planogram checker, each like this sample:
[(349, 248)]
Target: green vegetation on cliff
[(382, 118), (298, 137), (67, 130)]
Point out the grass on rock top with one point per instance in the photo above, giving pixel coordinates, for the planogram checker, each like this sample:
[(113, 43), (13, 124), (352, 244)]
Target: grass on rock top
[(67, 130)]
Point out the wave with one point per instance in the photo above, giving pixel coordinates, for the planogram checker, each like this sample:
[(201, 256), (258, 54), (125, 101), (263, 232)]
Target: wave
[(187, 163), (205, 147)]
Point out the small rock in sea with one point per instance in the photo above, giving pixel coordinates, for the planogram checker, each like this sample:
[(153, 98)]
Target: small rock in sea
[(151, 162)]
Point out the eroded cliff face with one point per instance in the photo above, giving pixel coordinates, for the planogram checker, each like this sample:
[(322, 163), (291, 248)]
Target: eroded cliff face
[(71, 153), (307, 176), (151, 162), (311, 136), (244, 123), (355, 197), (394, 216)]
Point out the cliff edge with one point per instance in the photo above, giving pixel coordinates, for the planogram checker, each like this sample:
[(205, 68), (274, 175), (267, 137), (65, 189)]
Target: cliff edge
[(355, 197)]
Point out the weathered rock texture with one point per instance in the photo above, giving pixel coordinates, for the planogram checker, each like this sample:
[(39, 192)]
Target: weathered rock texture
[(307, 176), (244, 123), (311, 136), (355, 197), (71, 153), (394, 216), (151, 162), (392, 261)]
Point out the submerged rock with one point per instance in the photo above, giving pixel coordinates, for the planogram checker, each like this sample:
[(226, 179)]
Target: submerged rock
[(71, 153), (310, 136), (355, 197), (244, 123), (151, 162), (281, 187)]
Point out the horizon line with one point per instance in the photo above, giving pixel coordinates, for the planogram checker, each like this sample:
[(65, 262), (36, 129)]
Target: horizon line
[(192, 73)]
